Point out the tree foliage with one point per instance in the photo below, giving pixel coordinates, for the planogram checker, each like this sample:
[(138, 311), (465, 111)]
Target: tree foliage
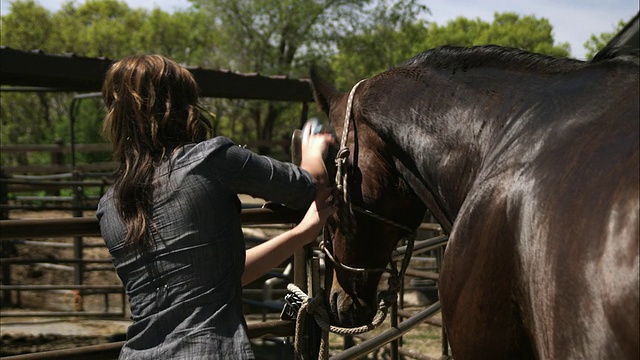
[(356, 38), (393, 36), (394, 39), (278, 37), (27, 26), (507, 29), (597, 42), (97, 28), (94, 28)]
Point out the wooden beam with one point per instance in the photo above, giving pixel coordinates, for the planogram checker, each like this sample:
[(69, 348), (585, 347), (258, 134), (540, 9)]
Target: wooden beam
[(69, 72), (88, 226)]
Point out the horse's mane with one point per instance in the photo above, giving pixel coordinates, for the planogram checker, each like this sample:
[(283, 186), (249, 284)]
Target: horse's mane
[(452, 57)]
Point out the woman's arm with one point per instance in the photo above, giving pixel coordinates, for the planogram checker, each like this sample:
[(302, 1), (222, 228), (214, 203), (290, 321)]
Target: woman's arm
[(266, 256), (248, 173)]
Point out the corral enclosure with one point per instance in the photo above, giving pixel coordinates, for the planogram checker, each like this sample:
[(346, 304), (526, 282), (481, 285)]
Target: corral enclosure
[(53, 273), (56, 305), (52, 285)]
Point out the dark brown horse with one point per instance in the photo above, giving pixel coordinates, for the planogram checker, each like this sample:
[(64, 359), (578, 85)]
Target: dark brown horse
[(531, 164)]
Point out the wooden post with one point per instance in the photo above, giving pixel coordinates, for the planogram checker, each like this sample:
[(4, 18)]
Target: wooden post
[(6, 246), (78, 246), (395, 344), (314, 332), (7, 299), (445, 341), (57, 158), (4, 196), (304, 115), (306, 275)]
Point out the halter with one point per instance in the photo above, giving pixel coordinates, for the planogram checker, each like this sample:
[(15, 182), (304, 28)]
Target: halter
[(348, 217), (313, 305)]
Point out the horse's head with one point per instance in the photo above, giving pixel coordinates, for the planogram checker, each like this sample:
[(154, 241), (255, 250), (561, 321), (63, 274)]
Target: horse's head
[(376, 210)]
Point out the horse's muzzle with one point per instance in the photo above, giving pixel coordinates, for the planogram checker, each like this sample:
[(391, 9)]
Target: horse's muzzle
[(351, 310)]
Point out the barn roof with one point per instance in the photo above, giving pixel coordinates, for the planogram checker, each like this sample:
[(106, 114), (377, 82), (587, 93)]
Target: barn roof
[(70, 72)]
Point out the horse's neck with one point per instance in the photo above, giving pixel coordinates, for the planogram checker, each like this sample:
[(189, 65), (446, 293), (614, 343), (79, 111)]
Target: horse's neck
[(446, 170), (450, 131), (444, 140)]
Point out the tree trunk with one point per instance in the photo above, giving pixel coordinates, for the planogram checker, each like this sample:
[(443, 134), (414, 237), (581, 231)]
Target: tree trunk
[(265, 133)]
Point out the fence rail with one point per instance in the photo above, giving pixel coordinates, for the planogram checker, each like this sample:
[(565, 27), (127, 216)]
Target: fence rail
[(78, 227), (59, 165), (112, 350), (88, 226), (80, 180)]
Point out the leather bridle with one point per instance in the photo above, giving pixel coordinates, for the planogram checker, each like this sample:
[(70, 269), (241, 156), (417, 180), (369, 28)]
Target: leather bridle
[(347, 216)]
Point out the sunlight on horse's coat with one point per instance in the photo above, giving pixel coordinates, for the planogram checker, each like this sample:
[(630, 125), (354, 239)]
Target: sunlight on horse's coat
[(531, 163)]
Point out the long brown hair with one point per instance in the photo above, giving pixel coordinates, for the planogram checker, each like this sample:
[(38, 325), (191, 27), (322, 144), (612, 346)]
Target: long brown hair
[(152, 109)]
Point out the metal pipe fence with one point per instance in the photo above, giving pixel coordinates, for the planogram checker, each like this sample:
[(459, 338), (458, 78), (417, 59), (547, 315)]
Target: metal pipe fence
[(307, 261)]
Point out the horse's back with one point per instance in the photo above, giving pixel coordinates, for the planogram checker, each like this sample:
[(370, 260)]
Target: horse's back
[(550, 235), (581, 259), (579, 240)]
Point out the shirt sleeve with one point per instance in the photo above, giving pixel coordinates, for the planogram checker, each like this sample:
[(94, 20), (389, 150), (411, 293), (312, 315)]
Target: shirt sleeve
[(245, 172)]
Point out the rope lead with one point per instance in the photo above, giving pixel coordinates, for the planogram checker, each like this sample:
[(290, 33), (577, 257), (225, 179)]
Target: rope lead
[(315, 307)]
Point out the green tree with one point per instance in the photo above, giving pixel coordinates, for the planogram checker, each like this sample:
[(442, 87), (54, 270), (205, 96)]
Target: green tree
[(281, 37), (392, 36), (358, 38), (187, 37), (507, 29), (596, 43), (98, 28), (90, 29), (106, 28), (27, 117), (27, 25), (394, 40)]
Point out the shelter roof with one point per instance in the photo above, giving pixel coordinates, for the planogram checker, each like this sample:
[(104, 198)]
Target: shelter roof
[(70, 72)]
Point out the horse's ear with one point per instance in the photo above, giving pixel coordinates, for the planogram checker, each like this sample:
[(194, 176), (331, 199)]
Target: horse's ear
[(323, 91)]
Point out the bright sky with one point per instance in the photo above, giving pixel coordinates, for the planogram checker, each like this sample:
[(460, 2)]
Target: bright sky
[(573, 20)]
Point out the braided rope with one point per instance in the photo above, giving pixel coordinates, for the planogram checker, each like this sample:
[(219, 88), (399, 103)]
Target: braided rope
[(341, 173), (343, 153), (315, 307), (347, 114)]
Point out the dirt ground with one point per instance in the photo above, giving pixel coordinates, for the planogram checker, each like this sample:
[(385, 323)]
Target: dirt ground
[(27, 334)]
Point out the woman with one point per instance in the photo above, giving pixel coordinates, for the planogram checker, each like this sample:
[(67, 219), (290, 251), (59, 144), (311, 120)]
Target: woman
[(171, 220)]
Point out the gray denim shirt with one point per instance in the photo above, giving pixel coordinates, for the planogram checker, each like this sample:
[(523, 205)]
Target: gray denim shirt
[(185, 292)]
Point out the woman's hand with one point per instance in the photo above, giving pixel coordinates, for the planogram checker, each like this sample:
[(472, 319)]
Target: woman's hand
[(314, 148), (317, 214), (265, 256)]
